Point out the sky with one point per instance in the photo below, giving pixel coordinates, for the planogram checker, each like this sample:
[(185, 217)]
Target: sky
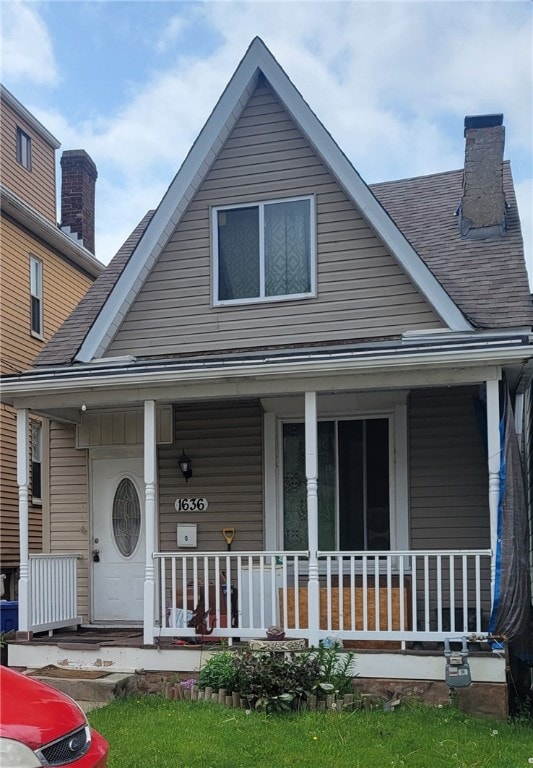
[(132, 83)]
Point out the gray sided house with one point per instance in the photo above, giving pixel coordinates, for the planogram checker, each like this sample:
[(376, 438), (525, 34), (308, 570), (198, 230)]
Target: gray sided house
[(281, 404)]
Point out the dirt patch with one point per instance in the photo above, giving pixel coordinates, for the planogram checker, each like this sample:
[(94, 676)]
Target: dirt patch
[(64, 673)]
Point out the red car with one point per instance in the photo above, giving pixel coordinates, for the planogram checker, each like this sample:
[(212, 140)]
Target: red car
[(42, 726)]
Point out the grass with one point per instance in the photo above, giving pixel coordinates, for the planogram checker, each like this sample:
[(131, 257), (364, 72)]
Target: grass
[(152, 732)]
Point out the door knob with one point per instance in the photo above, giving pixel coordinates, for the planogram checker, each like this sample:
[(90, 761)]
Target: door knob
[(96, 555)]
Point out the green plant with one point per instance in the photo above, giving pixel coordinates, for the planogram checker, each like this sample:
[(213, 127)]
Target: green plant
[(279, 682), (218, 672), (335, 671), (274, 682)]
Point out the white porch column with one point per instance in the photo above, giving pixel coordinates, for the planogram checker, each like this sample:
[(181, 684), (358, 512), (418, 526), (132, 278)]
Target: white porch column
[(493, 444), (23, 481), (150, 469), (311, 473)]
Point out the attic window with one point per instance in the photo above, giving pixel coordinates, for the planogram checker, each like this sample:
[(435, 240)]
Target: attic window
[(264, 251)]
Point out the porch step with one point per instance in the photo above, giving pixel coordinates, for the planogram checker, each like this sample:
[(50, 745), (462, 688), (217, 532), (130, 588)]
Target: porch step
[(101, 690)]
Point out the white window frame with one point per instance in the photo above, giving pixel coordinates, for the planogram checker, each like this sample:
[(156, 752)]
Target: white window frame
[(36, 293), (335, 420), (261, 207), (391, 405), (24, 149)]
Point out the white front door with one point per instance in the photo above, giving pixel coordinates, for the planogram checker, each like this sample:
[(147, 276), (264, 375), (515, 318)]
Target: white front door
[(118, 537)]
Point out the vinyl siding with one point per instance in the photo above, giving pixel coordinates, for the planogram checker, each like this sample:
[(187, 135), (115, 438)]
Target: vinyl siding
[(69, 503), (448, 471), (362, 292), (448, 483), (63, 287), (36, 186), (224, 441)]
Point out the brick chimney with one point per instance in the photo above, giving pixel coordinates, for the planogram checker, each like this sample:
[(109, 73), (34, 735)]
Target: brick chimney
[(78, 178), (483, 202)]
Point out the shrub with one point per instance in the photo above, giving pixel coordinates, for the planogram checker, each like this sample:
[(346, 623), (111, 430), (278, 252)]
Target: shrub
[(335, 671), (275, 681), (278, 682), (219, 672)]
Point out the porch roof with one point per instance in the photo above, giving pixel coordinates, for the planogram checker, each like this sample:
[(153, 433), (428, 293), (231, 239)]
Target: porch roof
[(408, 353)]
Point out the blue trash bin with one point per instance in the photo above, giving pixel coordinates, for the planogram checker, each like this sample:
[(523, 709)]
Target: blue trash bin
[(9, 615)]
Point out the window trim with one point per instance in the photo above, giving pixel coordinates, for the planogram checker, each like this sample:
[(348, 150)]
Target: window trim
[(262, 299), (338, 406), (36, 294), (363, 417), (24, 142)]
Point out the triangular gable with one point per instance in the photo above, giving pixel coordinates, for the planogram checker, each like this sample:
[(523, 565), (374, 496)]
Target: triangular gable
[(257, 60)]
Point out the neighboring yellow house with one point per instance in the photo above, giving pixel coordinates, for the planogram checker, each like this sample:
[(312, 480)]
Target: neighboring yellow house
[(45, 270)]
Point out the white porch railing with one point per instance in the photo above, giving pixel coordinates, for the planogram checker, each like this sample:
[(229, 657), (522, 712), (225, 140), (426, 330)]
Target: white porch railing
[(53, 592), (405, 596)]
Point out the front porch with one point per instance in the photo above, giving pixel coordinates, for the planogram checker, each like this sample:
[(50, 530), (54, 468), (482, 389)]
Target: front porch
[(397, 630), (397, 598)]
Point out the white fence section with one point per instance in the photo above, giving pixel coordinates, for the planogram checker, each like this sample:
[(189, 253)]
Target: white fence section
[(53, 592), (406, 596)]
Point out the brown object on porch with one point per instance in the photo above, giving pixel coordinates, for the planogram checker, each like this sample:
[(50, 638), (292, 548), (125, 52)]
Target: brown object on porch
[(191, 604), (68, 672), (347, 608)]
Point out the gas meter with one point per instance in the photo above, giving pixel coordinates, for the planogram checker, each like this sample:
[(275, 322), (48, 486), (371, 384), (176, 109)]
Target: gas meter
[(457, 673)]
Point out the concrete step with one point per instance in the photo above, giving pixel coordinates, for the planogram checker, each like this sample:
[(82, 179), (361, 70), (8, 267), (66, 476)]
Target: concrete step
[(101, 689)]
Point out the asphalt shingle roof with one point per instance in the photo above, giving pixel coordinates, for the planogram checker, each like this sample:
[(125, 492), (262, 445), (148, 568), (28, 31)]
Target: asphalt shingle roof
[(486, 278), (63, 346)]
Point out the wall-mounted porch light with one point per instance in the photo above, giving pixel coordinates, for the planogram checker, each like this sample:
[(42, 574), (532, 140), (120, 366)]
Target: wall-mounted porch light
[(185, 465)]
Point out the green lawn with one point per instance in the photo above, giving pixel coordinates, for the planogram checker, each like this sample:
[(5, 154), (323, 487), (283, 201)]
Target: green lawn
[(151, 732)]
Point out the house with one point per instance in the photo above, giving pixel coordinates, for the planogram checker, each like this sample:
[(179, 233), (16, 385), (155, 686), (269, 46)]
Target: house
[(281, 404), (44, 272)]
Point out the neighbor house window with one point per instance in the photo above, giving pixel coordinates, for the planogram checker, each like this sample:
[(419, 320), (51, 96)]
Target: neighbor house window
[(264, 251), (36, 461), (36, 296), (24, 149), (353, 485)]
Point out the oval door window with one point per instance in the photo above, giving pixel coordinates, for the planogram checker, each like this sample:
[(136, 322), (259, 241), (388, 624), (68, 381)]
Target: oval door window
[(126, 517)]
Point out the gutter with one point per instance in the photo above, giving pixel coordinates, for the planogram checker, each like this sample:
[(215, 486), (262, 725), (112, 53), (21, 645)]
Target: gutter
[(138, 374)]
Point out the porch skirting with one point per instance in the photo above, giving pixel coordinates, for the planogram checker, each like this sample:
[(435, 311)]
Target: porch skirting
[(416, 674)]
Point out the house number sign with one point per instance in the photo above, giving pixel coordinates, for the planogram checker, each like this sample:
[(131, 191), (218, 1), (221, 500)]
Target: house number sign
[(198, 504)]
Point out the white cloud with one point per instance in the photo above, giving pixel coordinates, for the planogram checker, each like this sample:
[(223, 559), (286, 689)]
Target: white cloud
[(391, 81), (26, 46)]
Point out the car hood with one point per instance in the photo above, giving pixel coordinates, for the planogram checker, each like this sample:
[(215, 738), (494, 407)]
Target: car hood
[(35, 713)]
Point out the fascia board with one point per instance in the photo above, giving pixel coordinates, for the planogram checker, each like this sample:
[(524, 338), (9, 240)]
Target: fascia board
[(216, 129), (41, 227), (37, 126), (298, 369), (361, 195), (171, 208)]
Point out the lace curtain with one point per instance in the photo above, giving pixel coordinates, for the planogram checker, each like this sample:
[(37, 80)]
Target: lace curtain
[(295, 487), (286, 251)]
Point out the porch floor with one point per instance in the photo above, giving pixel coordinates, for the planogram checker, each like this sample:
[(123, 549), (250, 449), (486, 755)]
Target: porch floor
[(92, 637)]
